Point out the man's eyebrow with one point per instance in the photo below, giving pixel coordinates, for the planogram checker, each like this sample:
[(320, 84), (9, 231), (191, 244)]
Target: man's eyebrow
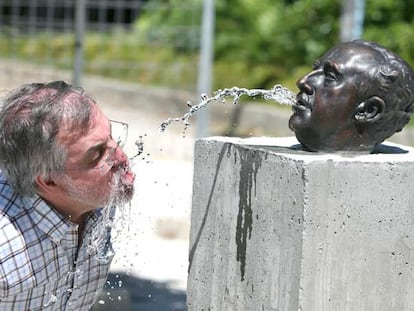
[(99, 145), (328, 65), (316, 64)]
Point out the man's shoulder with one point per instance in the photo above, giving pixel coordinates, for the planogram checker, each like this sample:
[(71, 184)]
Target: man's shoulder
[(16, 272), (15, 268), (9, 198), (12, 204), (11, 210)]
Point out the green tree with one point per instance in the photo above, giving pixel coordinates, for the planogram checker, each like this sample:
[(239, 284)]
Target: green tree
[(170, 23), (259, 43), (391, 24), (263, 41)]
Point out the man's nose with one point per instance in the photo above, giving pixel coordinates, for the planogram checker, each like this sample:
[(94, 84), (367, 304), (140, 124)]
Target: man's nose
[(305, 83), (120, 157), (117, 155)]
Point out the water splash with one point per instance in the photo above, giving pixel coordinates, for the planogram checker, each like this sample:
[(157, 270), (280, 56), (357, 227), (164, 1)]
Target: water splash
[(51, 301), (115, 216), (139, 143), (278, 93)]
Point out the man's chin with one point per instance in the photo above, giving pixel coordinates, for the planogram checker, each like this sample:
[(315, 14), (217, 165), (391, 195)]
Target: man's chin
[(123, 186), (127, 193), (295, 122), (300, 120), (123, 194)]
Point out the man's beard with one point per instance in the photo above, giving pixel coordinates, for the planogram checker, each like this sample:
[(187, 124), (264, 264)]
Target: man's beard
[(114, 192)]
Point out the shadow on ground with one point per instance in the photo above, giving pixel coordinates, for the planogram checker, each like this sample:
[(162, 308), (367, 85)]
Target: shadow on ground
[(128, 293)]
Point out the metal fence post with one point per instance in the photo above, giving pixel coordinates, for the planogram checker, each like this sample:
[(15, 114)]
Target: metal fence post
[(80, 25), (352, 20), (205, 63)]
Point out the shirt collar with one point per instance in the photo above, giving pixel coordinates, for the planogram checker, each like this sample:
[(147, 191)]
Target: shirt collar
[(48, 219)]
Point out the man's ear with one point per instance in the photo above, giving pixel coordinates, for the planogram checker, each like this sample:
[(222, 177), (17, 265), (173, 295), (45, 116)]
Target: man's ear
[(45, 185), (370, 110)]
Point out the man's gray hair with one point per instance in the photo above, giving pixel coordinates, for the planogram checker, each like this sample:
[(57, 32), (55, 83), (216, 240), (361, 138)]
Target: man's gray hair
[(395, 82), (30, 120)]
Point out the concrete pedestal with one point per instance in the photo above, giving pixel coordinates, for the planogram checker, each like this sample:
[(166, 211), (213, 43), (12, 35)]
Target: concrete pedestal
[(277, 228)]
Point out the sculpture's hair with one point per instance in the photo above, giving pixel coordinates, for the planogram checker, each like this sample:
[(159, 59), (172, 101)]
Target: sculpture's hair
[(30, 120), (395, 82)]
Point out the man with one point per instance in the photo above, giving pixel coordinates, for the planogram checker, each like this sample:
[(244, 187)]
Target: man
[(357, 95), (62, 171)]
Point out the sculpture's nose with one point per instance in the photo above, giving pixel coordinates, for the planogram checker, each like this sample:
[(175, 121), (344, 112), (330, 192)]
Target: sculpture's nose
[(304, 83)]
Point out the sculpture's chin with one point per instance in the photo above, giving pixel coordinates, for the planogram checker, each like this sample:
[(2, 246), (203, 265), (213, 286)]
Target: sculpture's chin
[(300, 121)]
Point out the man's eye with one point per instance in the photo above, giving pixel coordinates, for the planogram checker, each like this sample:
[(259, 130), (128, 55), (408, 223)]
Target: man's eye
[(97, 156), (331, 76)]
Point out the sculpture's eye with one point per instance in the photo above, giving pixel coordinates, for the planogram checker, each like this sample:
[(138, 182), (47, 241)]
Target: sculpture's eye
[(331, 73), (331, 76)]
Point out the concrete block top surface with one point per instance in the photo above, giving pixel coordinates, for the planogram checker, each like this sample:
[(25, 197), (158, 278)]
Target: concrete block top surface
[(291, 148)]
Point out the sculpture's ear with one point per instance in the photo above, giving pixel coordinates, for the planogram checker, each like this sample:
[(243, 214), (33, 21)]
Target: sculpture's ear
[(370, 110)]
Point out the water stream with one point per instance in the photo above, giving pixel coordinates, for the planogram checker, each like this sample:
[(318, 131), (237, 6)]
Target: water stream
[(278, 93)]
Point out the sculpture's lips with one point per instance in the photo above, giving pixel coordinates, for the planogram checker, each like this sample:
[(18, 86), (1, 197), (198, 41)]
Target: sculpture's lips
[(302, 102)]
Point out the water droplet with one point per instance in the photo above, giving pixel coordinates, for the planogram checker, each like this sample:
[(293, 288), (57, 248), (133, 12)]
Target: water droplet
[(101, 302), (320, 248), (139, 143)]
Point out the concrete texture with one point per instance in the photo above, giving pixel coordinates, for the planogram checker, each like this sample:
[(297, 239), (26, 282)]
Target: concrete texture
[(277, 228)]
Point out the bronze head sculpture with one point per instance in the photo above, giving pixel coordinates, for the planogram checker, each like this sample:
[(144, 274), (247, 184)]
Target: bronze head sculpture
[(357, 95)]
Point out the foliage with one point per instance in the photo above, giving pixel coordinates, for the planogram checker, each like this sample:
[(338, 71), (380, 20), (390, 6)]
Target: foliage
[(171, 24), (115, 54), (274, 35), (258, 43), (391, 24), (262, 42)]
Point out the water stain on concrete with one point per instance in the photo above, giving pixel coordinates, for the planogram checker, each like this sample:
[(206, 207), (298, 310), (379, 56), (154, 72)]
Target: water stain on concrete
[(250, 163)]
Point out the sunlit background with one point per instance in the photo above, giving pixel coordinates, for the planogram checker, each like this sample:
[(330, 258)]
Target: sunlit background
[(143, 60)]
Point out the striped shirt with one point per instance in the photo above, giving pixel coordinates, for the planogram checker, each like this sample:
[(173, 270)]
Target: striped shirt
[(41, 266)]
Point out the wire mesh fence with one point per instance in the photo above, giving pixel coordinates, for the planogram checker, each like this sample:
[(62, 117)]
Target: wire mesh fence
[(122, 38)]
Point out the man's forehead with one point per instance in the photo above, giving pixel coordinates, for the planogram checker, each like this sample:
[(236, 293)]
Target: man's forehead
[(353, 54), (72, 131)]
